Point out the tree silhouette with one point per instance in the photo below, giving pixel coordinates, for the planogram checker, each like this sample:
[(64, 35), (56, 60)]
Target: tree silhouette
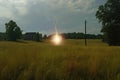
[(13, 31), (109, 15)]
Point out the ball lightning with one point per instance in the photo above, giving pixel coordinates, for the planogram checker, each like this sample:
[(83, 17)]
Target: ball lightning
[(57, 38)]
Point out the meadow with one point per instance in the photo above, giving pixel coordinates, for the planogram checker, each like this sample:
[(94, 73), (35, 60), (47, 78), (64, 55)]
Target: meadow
[(71, 60)]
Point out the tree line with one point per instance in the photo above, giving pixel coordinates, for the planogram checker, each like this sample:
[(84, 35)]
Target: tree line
[(14, 32), (78, 35)]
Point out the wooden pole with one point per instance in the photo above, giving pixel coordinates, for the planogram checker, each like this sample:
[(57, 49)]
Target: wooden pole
[(85, 34)]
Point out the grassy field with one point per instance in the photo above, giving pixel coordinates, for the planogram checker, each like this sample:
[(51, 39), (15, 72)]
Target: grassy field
[(69, 61)]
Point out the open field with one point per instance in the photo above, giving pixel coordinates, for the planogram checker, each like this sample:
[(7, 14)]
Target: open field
[(69, 61)]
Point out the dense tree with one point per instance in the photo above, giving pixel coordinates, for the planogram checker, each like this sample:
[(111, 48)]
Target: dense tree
[(109, 15), (13, 31)]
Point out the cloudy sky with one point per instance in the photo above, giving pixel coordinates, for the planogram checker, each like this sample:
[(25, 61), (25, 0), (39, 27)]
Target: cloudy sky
[(43, 15)]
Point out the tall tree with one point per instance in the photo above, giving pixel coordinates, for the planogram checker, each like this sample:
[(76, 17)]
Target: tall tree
[(109, 15), (13, 31)]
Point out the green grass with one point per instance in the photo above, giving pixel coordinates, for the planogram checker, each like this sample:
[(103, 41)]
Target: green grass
[(69, 61)]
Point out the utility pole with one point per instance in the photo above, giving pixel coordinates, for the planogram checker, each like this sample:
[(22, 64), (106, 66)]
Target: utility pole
[(85, 34)]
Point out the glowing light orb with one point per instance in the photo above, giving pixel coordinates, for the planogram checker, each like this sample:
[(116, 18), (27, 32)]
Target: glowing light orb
[(57, 39)]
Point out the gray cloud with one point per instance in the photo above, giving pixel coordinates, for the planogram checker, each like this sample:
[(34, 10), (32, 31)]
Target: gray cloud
[(41, 15)]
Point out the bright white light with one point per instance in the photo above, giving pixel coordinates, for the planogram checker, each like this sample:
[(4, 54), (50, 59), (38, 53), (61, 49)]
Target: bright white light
[(57, 39)]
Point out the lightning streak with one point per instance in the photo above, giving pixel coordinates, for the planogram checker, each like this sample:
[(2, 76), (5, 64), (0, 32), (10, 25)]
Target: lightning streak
[(56, 39)]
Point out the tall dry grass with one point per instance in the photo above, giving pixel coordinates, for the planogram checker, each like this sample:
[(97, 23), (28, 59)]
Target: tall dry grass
[(69, 61)]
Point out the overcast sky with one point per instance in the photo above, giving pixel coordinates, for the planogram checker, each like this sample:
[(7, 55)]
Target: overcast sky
[(42, 15)]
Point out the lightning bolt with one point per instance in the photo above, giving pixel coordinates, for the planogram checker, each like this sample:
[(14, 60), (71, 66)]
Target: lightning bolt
[(56, 32)]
